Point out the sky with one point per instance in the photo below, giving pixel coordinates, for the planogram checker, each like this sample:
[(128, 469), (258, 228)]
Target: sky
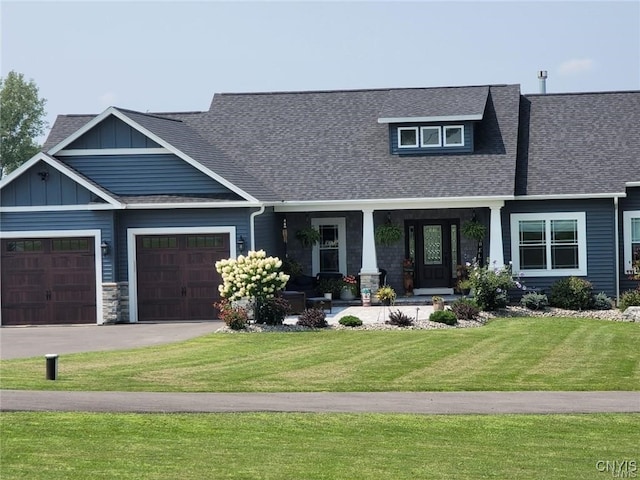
[(160, 56)]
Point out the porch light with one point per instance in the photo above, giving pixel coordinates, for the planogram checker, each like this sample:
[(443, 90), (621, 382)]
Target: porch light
[(105, 247), (240, 244)]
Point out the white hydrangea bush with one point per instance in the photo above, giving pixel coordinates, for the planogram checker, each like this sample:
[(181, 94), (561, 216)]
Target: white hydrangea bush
[(252, 276)]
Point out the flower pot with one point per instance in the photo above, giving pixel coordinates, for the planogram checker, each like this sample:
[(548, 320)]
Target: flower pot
[(347, 294), (438, 305), (328, 295)]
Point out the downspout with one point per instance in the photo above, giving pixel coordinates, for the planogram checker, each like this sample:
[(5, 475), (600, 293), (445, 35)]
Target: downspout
[(252, 227), (617, 246)]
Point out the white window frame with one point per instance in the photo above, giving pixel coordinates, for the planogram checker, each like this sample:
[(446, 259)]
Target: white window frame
[(581, 219), (444, 136), (422, 136), (341, 223), (403, 129), (626, 233)]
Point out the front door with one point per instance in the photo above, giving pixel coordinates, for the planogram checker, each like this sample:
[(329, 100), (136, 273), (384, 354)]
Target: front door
[(435, 253)]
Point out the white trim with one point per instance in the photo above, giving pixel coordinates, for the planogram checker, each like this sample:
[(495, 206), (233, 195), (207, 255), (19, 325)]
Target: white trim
[(132, 233), (442, 118), (341, 223), (626, 229), (97, 240), (58, 208), (581, 219), (632, 184), (111, 151), (385, 204), (154, 206), (63, 169), (570, 196), (133, 124), (430, 127), (444, 136), (406, 129)]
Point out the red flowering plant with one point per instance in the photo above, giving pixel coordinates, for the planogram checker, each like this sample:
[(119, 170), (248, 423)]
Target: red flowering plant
[(350, 282)]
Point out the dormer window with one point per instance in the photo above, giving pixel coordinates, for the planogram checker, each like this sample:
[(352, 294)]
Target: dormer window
[(437, 137)]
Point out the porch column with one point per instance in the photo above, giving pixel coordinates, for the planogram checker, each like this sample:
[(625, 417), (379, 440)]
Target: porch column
[(496, 253), (369, 259)]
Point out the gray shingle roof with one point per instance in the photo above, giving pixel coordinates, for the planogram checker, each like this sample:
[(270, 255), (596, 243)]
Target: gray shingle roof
[(584, 143)]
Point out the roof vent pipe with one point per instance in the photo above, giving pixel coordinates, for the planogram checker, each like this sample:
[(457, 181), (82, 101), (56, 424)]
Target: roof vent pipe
[(542, 77)]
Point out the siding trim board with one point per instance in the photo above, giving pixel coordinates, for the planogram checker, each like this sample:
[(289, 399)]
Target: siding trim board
[(115, 112), (132, 233), (111, 151), (97, 238)]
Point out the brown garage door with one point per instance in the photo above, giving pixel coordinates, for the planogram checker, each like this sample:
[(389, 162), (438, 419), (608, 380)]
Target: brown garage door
[(177, 279), (48, 281)]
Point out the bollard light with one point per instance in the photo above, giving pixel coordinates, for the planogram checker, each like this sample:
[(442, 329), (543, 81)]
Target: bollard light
[(52, 366)]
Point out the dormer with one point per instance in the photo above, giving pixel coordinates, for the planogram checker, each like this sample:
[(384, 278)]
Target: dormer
[(433, 121)]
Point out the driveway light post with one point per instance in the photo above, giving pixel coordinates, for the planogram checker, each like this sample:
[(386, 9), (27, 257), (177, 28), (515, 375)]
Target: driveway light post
[(52, 366)]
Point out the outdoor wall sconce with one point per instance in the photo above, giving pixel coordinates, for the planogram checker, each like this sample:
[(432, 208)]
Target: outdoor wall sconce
[(43, 175), (105, 247), (241, 244)]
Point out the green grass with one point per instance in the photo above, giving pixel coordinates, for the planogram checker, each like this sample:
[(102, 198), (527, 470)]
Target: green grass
[(506, 354), (312, 446)]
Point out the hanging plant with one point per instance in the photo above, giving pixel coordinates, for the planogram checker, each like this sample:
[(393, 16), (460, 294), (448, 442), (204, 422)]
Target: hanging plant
[(388, 234), (474, 230), (308, 236)]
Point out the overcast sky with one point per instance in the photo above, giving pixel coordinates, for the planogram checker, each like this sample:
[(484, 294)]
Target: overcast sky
[(173, 56)]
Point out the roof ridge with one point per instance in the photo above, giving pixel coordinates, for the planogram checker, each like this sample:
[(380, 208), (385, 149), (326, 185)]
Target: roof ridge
[(558, 94), (147, 114)]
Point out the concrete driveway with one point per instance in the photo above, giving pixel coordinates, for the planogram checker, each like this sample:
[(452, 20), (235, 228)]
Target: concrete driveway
[(33, 341)]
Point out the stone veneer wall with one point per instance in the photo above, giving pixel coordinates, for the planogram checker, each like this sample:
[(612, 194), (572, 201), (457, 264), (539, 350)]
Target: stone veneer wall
[(115, 302)]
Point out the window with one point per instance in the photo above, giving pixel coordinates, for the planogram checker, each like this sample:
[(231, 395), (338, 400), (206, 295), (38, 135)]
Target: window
[(408, 137), (330, 253), (631, 232), (430, 137), (551, 244), (453, 136)]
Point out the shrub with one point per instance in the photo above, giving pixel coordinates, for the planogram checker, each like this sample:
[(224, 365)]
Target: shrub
[(350, 321), (465, 309), (602, 302), (444, 316), (400, 319), (535, 301), (313, 318), (491, 286), (272, 310), (630, 298), (571, 293), (236, 318)]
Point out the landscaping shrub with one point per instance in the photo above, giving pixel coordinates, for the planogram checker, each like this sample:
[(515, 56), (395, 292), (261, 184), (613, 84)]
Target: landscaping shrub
[(630, 298), (465, 309), (272, 311), (350, 321), (491, 286), (602, 302), (444, 316), (571, 293), (236, 318), (400, 319), (313, 318), (535, 301)]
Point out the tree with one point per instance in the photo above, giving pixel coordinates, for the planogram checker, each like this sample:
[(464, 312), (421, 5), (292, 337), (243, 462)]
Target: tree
[(21, 121)]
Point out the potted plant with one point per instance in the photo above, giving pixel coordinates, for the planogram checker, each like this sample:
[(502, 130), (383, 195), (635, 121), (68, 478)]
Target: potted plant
[(438, 302), (475, 230), (386, 295), (464, 286), (330, 287), (349, 287), (308, 236), (388, 234)]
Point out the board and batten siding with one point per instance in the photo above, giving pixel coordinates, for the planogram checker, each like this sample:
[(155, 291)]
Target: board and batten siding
[(162, 174), (186, 218), (600, 226), (29, 189), (112, 133), (630, 203), (65, 220)]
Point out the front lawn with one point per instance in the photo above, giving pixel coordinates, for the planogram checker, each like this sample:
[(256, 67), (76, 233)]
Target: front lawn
[(506, 354), (313, 446)]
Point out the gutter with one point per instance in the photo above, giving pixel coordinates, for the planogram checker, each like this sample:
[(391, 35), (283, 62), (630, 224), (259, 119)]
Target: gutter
[(252, 227), (616, 234)]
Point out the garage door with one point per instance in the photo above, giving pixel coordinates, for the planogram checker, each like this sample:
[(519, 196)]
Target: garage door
[(48, 281), (176, 276)]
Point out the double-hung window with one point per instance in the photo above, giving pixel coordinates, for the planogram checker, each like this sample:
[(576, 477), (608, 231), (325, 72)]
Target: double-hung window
[(551, 244), (631, 232)]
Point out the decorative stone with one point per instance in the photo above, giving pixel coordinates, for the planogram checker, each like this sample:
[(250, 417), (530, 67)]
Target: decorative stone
[(632, 314)]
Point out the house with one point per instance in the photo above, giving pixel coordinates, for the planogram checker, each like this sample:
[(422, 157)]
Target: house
[(122, 215)]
